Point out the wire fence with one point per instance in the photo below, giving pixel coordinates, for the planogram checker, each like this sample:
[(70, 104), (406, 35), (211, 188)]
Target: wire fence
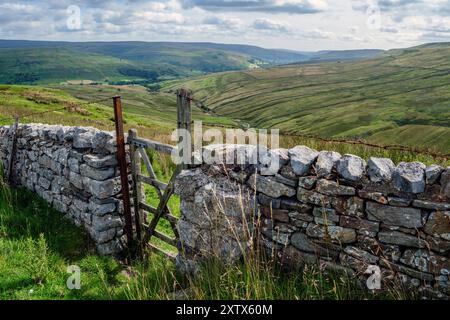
[(242, 125), (201, 105)]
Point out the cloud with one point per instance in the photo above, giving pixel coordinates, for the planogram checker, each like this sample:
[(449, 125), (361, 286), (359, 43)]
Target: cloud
[(270, 25), (222, 22), (268, 6)]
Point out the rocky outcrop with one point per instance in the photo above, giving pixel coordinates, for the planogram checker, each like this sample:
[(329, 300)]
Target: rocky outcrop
[(75, 170), (322, 208)]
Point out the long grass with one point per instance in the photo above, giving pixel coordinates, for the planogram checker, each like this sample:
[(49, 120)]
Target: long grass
[(37, 245)]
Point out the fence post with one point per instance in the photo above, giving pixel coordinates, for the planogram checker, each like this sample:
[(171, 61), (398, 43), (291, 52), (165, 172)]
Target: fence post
[(122, 160), (184, 119), (137, 196), (12, 155)]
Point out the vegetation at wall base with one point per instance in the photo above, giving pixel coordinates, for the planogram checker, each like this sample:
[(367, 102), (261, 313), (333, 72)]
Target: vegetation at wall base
[(37, 244)]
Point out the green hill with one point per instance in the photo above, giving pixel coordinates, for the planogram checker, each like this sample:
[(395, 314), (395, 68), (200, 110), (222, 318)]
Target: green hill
[(402, 97), (43, 62)]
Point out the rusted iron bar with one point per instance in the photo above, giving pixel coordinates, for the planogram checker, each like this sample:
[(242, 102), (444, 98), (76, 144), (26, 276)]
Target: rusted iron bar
[(122, 160)]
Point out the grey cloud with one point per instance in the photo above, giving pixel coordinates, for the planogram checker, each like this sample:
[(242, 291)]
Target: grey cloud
[(269, 6), (265, 24)]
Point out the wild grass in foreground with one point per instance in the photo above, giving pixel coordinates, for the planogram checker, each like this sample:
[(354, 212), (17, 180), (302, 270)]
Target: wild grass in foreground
[(37, 245)]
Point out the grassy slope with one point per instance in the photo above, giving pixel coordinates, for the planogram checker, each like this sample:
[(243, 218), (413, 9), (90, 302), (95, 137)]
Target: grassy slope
[(153, 115), (47, 65), (401, 98), (44, 65)]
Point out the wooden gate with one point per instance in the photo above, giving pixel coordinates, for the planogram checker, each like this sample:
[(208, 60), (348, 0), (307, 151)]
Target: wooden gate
[(147, 217)]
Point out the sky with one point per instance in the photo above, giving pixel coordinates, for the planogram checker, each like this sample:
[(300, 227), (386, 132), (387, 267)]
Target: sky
[(303, 25)]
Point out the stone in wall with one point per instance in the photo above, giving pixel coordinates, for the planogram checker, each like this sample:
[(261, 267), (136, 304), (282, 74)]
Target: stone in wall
[(75, 170), (335, 211)]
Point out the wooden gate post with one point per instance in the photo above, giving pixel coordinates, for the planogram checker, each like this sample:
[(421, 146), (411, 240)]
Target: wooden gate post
[(122, 160), (184, 119), (137, 196)]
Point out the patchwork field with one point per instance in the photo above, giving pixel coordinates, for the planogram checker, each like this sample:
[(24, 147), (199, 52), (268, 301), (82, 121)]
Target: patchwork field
[(401, 98)]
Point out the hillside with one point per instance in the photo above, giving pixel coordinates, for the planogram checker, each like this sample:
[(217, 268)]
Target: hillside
[(43, 62), (399, 98)]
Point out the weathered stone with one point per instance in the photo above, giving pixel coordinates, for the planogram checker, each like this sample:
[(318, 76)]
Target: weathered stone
[(380, 169), (438, 224), (300, 241), (110, 248), (410, 177), (411, 272), (294, 258), (293, 205), (325, 163), (287, 172), (302, 159), (332, 188), (286, 181), (103, 223), (299, 218), (354, 206), (386, 227), (374, 196), (45, 161), (99, 162), (102, 189), (96, 174), (313, 197), (326, 213), (270, 187), (282, 155), (44, 183), (82, 140), (188, 181), (359, 224), (445, 183), (442, 206), (268, 201), (275, 214), (100, 141), (396, 216), (335, 233), (74, 165), (361, 254), (333, 267), (307, 182), (76, 180), (278, 237), (425, 261), (351, 167), (395, 237), (399, 202), (432, 173), (102, 209)]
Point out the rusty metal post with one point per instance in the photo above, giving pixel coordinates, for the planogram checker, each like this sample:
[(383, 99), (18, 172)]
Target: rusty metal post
[(122, 160)]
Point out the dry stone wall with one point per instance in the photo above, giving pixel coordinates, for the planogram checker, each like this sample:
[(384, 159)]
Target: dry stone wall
[(75, 170), (338, 211)]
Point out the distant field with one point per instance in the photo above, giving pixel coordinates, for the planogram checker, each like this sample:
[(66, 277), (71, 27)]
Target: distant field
[(153, 115), (400, 98)]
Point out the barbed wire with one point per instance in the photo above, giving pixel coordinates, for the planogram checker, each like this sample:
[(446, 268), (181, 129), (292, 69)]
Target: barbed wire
[(245, 126)]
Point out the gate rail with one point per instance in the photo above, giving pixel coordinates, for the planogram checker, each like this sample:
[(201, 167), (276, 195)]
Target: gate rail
[(145, 228)]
